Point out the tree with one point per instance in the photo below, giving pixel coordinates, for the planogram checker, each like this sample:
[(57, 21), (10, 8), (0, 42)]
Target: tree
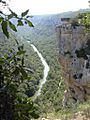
[(14, 103), (84, 18)]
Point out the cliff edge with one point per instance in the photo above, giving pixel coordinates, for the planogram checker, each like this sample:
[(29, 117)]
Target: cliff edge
[(75, 64)]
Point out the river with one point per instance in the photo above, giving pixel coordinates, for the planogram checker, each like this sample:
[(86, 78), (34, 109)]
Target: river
[(45, 71)]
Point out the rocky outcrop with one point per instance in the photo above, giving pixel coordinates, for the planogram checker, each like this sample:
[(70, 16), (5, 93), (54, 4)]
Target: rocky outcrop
[(74, 61)]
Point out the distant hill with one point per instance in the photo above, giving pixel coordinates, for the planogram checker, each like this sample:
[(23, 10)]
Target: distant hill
[(45, 24)]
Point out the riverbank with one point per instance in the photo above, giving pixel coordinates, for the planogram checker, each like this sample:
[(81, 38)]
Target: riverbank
[(45, 71)]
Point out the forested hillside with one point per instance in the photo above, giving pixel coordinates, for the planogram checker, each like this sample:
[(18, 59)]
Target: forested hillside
[(44, 37)]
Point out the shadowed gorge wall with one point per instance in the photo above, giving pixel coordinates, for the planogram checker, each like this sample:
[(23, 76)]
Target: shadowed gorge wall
[(72, 41)]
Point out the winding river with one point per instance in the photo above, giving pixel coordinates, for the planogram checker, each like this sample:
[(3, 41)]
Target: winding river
[(45, 72)]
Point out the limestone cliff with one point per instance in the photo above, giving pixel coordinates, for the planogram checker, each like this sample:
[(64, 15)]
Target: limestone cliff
[(74, 68)]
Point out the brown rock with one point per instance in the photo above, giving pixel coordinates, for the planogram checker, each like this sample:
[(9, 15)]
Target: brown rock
[(74, 71)]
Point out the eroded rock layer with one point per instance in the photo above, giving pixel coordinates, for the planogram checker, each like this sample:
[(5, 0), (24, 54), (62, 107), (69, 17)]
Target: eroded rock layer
[(74, 59)]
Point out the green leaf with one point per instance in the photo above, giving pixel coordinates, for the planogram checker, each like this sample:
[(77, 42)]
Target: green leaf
[(13, 13), (20, 23), (10, 16), (29, 23), (12, 26), (5, 29), (25, 13), (1, 19)]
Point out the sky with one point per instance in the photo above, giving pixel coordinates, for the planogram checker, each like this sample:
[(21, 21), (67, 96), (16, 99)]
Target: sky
[(39, 7)]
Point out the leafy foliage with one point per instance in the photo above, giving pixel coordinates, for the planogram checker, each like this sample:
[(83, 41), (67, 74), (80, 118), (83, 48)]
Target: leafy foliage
[(20, 23), (15, 81), (25, 13), (29, 23), (12, 26), (4, 28), (13, 75), (6, 20), (85, 19)]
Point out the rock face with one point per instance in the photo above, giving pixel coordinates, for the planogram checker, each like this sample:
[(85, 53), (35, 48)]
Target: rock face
[(74, 67)]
